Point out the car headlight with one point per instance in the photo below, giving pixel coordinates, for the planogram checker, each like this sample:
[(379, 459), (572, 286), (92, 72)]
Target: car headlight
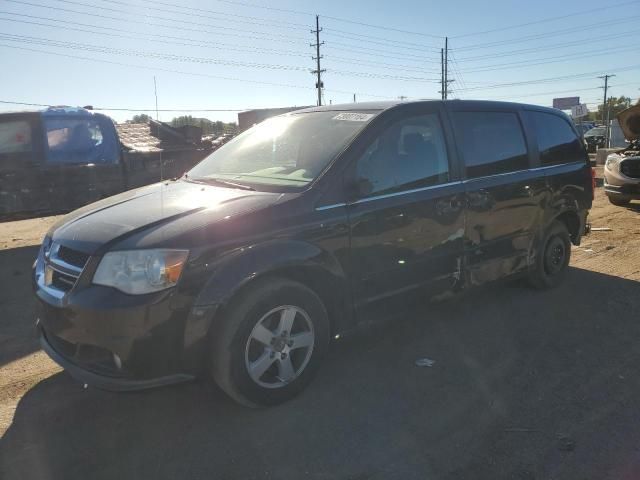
[(613, 163), (141, 271)]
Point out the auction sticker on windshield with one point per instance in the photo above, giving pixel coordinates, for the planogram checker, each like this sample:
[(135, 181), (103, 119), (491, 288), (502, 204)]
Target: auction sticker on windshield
[(354, 117)]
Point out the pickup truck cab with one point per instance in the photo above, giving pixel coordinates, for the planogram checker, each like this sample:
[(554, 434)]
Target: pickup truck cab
[(57, 160), (302, 228)]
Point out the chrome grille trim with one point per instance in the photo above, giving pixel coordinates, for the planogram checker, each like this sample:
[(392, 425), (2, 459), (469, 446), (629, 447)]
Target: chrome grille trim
[(52, 272)]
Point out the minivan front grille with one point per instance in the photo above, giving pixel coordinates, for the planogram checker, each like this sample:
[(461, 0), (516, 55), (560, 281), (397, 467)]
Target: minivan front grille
[(62, 268), (72, 257), (62, 281), (630, 167)]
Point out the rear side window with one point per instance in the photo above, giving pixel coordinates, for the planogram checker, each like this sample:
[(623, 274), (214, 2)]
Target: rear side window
[(491, 143), (15, 137), (557, 143), (78, 141)]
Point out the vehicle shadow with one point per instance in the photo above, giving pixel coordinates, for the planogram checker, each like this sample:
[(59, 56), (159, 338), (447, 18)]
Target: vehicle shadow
[(17, 337), (525, 384), (634, 206)]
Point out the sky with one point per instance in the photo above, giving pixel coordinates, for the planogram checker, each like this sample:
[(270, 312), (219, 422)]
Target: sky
[(230, 55)]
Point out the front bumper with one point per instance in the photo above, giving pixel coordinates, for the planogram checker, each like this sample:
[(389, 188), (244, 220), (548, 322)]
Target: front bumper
[(122, 342), (629, 189), (104, 381)]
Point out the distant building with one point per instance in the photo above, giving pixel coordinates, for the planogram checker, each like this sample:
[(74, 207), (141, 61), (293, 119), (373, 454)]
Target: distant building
[(251, 117), (155, 146), (157, 136)]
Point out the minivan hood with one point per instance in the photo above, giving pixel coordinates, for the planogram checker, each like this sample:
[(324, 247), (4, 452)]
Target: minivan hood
[(629, 120), (96, 225)]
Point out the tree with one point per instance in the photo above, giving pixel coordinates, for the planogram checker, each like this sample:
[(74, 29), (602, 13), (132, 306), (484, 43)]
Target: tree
[(616, 105), (141, 118)]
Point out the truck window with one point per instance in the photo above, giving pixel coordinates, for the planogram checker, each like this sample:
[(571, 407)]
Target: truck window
[(409, 154), (78, 141), (491, 143), (15, 137), (557, 143)]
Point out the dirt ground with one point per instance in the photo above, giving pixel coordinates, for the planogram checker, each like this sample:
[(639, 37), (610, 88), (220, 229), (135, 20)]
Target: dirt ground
[(525, 385)]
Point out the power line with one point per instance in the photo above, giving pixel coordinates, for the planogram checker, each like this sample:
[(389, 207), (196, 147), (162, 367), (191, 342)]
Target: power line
[(377, 52), (142, 53), (119, 109), (457, 71), (337, 19), (391, 66), (160, 9), (201, 10), (544, 20), (195, 74), (380, 27), (270, 37), (261, 19), (556, 59), (202, 43), (386, 43), (375, 37), (555, 46), (282, 38), (554, 33), (551, 79), (554, 92), (190, 59), (158, 38)]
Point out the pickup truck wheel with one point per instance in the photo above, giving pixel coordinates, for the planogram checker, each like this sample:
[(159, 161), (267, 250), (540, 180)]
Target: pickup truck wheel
[(619, 201), (269, 343), (552, 258)]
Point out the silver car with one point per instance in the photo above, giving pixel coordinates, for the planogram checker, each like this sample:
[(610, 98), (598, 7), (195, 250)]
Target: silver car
[(622, 169)]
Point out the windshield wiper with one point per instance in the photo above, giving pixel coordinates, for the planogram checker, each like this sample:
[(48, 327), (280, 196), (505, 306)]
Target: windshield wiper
[(220, 182)]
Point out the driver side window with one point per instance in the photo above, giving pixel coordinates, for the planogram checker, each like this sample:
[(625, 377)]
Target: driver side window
[(409, 154)]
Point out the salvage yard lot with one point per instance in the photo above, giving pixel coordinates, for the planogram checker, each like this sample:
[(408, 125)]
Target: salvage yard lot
[(525, 385)]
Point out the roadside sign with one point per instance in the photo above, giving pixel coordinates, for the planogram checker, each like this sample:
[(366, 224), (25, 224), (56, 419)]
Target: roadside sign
[(579, 111), (565, 103)]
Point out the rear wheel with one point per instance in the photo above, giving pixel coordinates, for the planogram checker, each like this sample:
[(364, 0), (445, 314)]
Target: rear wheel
[(270, 342), (619, 201), (552, 259)]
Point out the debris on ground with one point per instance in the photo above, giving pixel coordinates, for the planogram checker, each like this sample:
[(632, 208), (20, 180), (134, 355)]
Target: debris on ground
[(601, 229), (566, 444), (425, 362)]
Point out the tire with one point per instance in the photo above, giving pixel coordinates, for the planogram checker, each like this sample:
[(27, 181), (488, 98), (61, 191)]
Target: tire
[(253, 337), (552, 258), (619, 201)]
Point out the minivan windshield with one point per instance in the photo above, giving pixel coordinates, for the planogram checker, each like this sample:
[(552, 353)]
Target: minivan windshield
[(282, 153)]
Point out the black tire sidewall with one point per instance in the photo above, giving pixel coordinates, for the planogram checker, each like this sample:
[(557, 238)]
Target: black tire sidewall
[(258, 303), (619, 201), (539, 277)]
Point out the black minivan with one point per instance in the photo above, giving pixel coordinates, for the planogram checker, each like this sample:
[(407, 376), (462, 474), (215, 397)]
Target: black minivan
[(301, 228)]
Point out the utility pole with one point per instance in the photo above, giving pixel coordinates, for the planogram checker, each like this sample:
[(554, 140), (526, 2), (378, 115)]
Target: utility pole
[(354, 98), (446, 67), (318, 71), (442, 73), (605, 108)]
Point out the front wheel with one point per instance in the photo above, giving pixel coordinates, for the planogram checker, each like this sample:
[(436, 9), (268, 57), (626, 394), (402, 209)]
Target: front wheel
[(552, 258), (270, 342), (619, 201)]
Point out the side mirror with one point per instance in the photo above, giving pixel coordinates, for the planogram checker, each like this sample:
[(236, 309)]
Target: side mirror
[(359, 188)]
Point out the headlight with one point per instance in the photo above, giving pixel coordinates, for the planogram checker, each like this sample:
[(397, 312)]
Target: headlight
[(613, 163), (141, 271)]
